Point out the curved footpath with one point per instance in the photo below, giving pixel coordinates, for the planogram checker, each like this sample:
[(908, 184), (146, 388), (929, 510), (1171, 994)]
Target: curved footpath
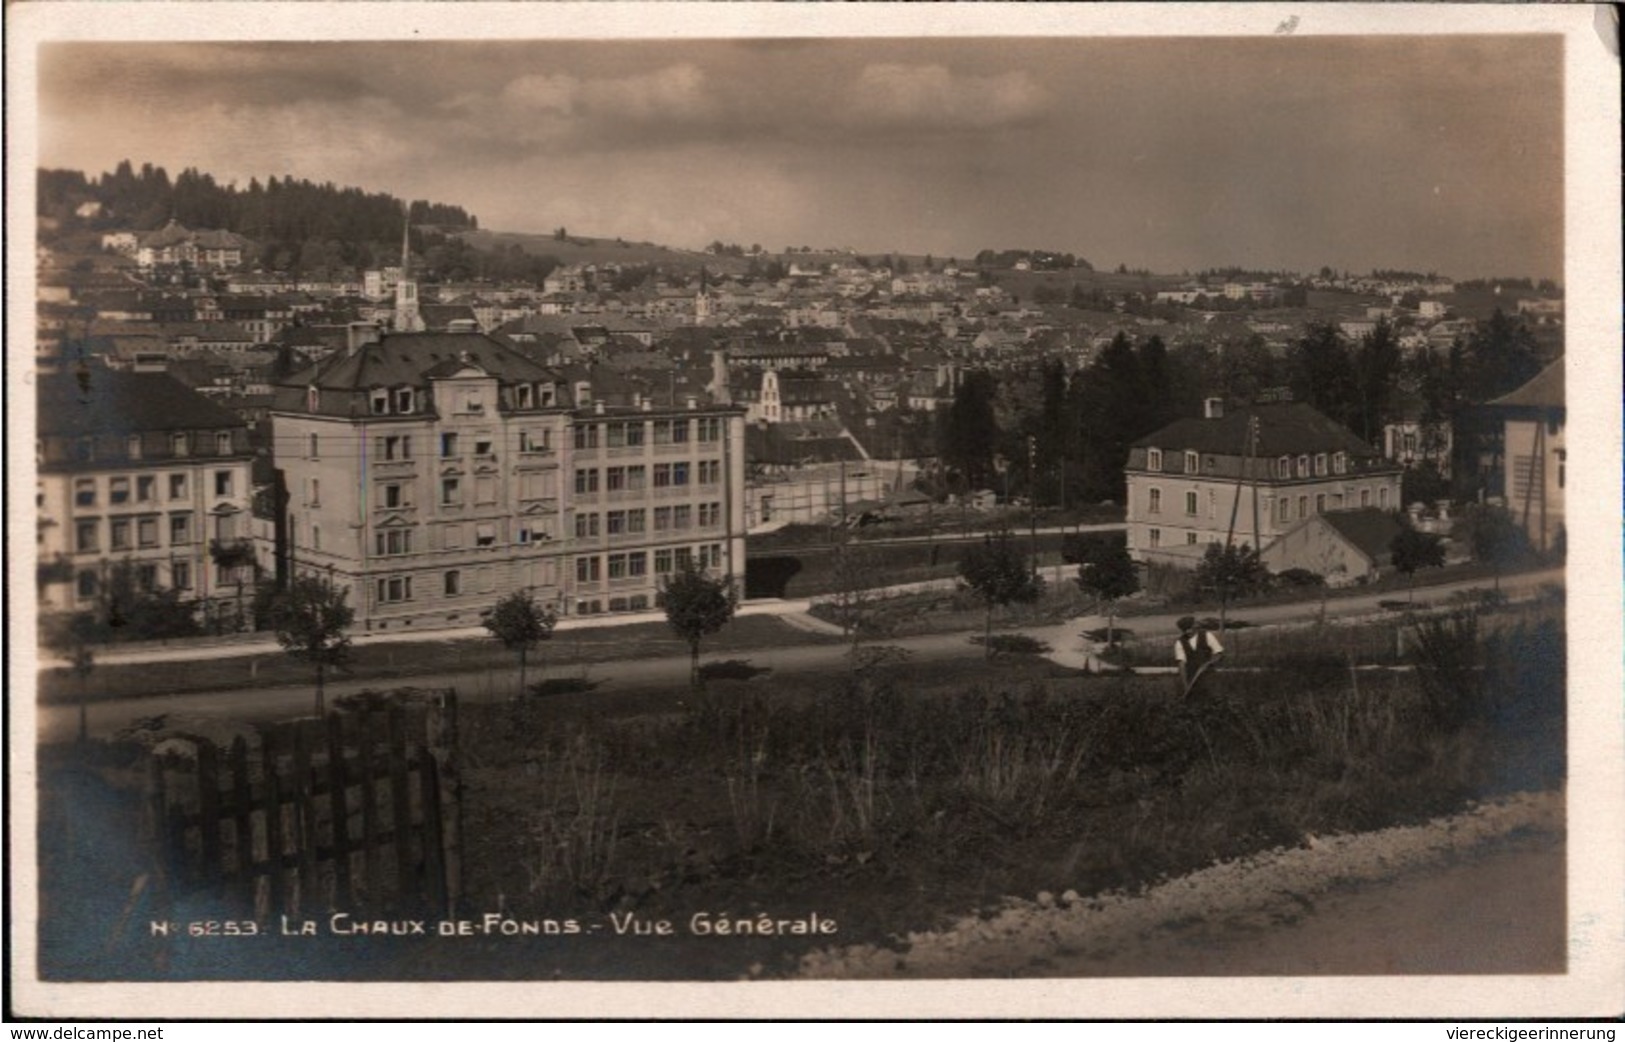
[(1480, 892)]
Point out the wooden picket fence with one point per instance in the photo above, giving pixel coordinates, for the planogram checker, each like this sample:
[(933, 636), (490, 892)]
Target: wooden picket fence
[(358, 811)]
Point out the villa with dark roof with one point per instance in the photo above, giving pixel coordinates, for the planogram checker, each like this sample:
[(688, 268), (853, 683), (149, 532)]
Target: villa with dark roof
[(430, 474), (1247, 476)]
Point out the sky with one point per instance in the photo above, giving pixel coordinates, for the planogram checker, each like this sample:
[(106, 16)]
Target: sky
[(1427, 153)]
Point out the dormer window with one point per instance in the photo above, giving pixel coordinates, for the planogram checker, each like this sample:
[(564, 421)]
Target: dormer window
[(523, 395), (1283, 467), (403, 400), (1153, 459), (178, 444), (1320, 464), (132, 446), (1192, 463), (222, 443), (380, 402), (1303, 466), (547, 395), (1340, 463), (313, 398)]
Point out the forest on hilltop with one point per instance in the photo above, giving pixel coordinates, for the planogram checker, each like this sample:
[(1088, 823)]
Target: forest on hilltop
[(298, 225)]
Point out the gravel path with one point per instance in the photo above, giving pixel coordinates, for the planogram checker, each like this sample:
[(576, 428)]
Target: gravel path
[(1482, 891)]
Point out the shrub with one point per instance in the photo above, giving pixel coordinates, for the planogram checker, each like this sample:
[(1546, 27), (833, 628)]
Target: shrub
[(732, 669), (1445, 652), (562, 686), (1297, 578)]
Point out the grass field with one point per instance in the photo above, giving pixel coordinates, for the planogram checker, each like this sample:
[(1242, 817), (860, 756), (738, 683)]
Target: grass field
[(893, 795)]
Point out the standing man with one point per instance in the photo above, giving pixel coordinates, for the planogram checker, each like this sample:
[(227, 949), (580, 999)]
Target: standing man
[(1195, 651)]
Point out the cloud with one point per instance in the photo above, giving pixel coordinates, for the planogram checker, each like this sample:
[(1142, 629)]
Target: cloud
[(675, 92), (932, 96)]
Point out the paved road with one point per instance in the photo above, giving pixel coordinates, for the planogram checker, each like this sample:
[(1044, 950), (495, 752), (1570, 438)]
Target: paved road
[(1502, 912), (1069, 649)]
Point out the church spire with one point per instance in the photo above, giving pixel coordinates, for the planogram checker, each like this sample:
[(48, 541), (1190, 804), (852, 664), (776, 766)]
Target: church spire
[(407, 317)]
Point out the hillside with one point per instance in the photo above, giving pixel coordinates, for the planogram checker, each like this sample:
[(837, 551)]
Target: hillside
[(581, 249)]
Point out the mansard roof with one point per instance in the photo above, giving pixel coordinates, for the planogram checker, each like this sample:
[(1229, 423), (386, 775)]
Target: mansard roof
[(409, 359), (1284, 429), (97, 401)]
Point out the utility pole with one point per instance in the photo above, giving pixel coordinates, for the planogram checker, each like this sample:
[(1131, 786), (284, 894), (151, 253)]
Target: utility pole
[(1032, 496)]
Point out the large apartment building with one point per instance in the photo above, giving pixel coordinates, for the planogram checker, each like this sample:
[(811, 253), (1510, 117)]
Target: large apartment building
[(1248, 476), (137, 468), (432, 473)]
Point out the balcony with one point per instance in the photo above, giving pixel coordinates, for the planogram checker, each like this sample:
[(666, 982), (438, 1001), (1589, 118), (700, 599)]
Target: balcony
[(232, 553)]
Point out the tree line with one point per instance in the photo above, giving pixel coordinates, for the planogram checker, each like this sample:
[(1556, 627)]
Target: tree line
[(298, 224), (1063, 437), (1039, 260)]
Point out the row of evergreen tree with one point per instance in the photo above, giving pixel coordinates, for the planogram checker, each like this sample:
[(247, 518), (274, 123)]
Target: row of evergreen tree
[(280, 214), (1077, 428)]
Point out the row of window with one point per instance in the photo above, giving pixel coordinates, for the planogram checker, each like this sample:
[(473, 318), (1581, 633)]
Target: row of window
[(1283, 505), (400, 401), (1319, 465), (633, 602), (395, 589), (180, 443), (394, 542), (1307, 468), (635, 564), (618, 434), (1156, 537), (88, 583), (633, 478), (393, 447), (666, 519), (140, 533), (395, 495), (1154, 502), (144, 488), (1324, 501)]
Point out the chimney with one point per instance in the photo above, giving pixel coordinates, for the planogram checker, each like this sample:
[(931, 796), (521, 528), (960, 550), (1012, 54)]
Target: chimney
[(360, 334), (1213, 408), (719, 378)]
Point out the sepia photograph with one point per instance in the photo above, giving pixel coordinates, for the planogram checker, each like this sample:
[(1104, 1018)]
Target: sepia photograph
[(820, 510)]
